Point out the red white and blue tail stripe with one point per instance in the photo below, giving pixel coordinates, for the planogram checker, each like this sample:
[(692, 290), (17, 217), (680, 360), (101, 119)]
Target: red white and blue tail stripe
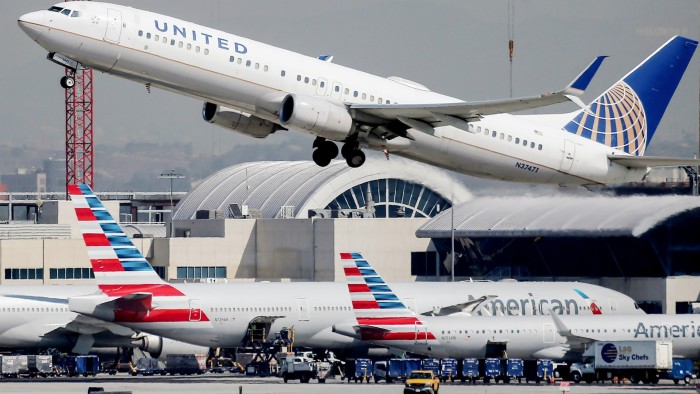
[(380, 314), (114, 258), (122, 272)]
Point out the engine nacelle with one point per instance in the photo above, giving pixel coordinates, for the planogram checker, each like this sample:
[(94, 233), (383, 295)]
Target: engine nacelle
[(317, 116), (160, 347), (238, 121)]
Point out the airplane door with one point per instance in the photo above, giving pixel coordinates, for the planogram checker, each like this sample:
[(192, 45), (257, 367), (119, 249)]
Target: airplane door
[(421, 333), (303, 305), (337, 91), (567, 159), (114, 26), (548, 333), (195, 310), (322, 87)]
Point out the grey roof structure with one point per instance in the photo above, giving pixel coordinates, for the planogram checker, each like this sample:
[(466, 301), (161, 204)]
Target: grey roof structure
[(557, 216), (144, 230), (268, 186)]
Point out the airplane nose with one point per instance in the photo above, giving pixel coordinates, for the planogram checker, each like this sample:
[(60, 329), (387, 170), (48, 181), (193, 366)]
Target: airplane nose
[(33, 24)]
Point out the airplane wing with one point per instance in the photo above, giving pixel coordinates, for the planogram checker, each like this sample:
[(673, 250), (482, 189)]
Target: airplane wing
[(652, 161), (459, 113)]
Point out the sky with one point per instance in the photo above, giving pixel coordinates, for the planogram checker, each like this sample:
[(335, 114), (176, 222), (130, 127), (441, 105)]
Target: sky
[(458, 48)]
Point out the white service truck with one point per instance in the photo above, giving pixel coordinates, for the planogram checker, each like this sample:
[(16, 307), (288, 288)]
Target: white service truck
[(638, 361), (298, 367)]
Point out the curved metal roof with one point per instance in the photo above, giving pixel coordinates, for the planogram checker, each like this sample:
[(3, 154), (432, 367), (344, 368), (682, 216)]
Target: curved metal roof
[(268, 185), (557, 216), (144, 230)]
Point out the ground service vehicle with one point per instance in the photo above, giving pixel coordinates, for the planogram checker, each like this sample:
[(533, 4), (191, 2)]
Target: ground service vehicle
[(183, 364), (148, 366), (399, 368), (358, 369), (422, 381), (86, 365), (297, 367), (682, 371), (515, 369), (470, 370), (40, 365), (637, 361), (448, 369)]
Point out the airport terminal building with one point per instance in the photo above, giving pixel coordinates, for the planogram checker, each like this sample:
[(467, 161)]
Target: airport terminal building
[(289, 221)]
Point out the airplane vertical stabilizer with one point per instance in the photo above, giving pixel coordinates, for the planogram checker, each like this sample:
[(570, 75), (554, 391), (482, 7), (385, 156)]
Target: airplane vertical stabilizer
[(120, 269), (379, 312), (626, 116)]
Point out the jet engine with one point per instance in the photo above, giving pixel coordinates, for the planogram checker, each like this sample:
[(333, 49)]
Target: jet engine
[(238, 121), (159, 347), (317, 116)]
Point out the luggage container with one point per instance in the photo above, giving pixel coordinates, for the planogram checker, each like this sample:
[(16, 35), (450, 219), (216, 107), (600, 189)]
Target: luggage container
[(448, 369), (470, 370), (358, 369)]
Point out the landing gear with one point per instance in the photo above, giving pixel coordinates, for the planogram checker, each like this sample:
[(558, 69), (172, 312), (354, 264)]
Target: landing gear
[(325, 151), (67, 82), (352, 154)]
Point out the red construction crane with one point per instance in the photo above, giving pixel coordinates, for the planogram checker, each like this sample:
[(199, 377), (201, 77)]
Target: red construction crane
[(79, 136)]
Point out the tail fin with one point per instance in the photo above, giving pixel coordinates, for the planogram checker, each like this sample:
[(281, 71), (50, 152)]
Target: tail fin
[(120, 269), (379, 312), (626, 116)]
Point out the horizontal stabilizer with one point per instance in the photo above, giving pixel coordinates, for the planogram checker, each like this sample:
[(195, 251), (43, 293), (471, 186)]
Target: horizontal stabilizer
[(468, 307), (652, 161)]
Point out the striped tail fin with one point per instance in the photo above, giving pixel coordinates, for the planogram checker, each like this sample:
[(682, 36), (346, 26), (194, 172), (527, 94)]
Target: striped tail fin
[(626, 116), (120, 269), (379, 312)]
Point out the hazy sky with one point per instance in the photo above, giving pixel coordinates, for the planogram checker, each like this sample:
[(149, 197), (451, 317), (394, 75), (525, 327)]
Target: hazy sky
[(457, 48)]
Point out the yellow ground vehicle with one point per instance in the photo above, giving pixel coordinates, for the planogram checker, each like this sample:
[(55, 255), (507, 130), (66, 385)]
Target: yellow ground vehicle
[(420, 381)]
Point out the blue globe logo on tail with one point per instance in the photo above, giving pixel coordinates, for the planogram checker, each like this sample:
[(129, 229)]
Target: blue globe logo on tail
[(616, 119)]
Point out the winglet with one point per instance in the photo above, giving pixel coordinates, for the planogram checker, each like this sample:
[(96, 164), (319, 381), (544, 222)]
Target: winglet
[(581, 82)]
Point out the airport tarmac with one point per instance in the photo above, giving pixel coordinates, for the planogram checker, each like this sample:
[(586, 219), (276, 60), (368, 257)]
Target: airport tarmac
[(233, 384)]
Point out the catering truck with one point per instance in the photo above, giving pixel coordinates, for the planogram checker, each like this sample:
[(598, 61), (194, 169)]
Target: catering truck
[(638, 361)]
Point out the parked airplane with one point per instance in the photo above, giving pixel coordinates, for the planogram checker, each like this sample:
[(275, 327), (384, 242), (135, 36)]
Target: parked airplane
[(37, 317), (258, 89), (220, 315), (383, 319)]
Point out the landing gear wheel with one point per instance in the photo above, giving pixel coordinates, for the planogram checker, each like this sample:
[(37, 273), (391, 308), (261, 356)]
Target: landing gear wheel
[(67, 82), (356, 158), (348, 148), (325, 152)]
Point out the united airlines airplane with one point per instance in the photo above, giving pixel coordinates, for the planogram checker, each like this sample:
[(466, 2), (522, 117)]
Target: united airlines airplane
[(220, 315), (383, 319), (258, 89)]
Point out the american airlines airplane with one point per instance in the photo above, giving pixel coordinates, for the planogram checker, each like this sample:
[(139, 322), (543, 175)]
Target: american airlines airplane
[(258, 89), (220, 315), (37, 317), (383, 319)]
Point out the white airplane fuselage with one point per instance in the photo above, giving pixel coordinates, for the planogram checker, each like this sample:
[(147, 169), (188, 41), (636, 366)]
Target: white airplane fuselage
[(254, 78), (532, 337), (219, 315)]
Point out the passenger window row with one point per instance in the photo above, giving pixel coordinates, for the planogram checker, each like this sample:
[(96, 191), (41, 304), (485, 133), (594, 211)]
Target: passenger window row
[(502, 136), (173, 42)]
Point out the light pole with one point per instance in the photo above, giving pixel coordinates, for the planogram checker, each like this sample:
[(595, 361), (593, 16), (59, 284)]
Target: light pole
[(171, 175)]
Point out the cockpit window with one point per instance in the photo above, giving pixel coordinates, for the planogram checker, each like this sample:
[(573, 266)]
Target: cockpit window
[(75, 14), (65, 12), (55, 9)]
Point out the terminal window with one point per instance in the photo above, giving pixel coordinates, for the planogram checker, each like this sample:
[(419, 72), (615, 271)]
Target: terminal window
[(201, 272), (24, 273), (424, 263), (71, 273)]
